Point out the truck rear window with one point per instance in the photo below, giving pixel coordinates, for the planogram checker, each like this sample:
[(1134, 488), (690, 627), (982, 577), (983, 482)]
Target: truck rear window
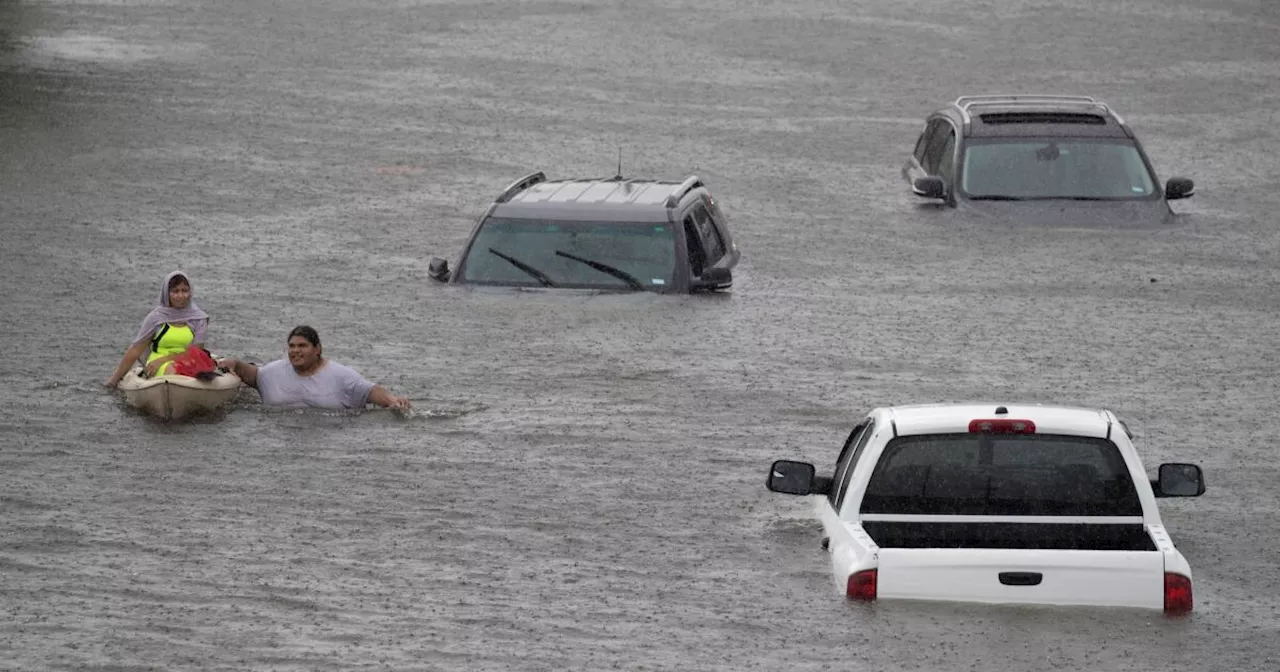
[(1001, 475)]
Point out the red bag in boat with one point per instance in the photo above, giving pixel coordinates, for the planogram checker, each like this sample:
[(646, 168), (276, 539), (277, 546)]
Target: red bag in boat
[(195, 362)]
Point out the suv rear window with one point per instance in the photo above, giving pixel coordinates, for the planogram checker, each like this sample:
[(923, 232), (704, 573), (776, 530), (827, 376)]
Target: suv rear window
[(1001, 475), (1041, 118)]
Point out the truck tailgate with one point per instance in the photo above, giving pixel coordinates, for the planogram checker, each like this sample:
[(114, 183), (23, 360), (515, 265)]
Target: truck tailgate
[(1032, 576)]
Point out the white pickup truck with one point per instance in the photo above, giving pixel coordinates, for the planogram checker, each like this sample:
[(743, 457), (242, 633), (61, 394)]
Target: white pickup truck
[(1025, 504)]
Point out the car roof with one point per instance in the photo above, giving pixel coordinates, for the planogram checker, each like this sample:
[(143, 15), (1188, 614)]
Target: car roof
[(1022, 115), (587, 199), (955, 418)]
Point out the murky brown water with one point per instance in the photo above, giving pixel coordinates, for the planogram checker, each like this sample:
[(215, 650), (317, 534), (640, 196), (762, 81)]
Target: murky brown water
[(581, 486)]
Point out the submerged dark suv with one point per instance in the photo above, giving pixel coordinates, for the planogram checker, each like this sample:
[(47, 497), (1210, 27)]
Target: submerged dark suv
[(604, 234), (1046, 159)]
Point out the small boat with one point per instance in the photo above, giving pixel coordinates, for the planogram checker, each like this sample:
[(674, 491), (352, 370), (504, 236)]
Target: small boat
[(175, 397)]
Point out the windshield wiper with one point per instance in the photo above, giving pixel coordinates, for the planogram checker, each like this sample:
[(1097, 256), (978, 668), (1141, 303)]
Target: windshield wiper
[(997, 197), (538, 275), (605, 268)]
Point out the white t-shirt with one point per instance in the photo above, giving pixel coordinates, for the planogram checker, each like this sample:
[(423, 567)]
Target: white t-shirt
[(333, 386)]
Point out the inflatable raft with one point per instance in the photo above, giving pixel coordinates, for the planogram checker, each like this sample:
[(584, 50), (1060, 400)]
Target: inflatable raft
[(176, 397)]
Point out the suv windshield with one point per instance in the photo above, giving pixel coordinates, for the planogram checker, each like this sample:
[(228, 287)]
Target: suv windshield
[(1076, 168), (562, 253), (1004, 475)]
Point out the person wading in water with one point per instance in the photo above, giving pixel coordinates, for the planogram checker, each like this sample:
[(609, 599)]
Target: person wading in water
[(307, 379)]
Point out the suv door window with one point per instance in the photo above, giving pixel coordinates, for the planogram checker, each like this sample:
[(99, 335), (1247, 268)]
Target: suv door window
[(947, 159), (718, 218), (938, 131), (712, 244), (842, 463), (697, 255), (843, 485), (921, 143)]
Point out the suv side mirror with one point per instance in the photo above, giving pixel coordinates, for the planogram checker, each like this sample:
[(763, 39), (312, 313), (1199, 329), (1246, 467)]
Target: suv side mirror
[(1179, 187), (929, 187), (438, 269), (791, 478), (1179, 479), (713, 278)]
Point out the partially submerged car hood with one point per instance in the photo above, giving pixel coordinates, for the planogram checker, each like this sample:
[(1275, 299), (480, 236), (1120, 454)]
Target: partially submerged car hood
[(1067, 213)]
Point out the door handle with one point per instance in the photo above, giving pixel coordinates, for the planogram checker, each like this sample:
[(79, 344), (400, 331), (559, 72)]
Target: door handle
[(1021, 578)]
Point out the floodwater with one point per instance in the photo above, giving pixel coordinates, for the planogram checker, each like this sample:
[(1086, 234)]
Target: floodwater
[(581, 483)]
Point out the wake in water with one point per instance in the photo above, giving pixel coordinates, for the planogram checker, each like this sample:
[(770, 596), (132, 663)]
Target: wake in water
[(247, 400), (420, 410)]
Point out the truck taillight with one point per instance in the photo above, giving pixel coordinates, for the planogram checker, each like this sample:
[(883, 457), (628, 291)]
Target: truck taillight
[(1177, 594), (1002, 426), (862, 586)]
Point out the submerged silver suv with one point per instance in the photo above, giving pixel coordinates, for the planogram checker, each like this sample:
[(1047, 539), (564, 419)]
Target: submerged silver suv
[(1056, 159), (602, 234)]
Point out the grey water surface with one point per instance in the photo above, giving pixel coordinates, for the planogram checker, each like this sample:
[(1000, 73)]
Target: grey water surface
[(581, 483)]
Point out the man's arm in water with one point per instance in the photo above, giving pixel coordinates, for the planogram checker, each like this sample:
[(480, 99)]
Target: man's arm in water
[(380, 396), (247, 372)]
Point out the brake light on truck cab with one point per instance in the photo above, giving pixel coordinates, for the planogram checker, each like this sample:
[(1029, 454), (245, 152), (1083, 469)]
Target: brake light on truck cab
[(1002, 426), (862, 586), (1177, 594)]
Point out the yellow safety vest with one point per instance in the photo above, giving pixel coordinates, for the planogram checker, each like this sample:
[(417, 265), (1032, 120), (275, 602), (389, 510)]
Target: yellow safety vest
[(170, 340)]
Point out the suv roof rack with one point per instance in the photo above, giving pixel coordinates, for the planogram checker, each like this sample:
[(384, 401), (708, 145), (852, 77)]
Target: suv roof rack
[(519, 186), (964, 103), (690, 183)]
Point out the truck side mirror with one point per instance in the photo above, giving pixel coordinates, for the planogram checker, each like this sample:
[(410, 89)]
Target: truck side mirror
[(1177, 479), (791, 478)]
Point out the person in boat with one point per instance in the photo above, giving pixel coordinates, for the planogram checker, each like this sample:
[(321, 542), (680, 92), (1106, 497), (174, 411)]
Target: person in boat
[(174, 325), (307, 378)]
